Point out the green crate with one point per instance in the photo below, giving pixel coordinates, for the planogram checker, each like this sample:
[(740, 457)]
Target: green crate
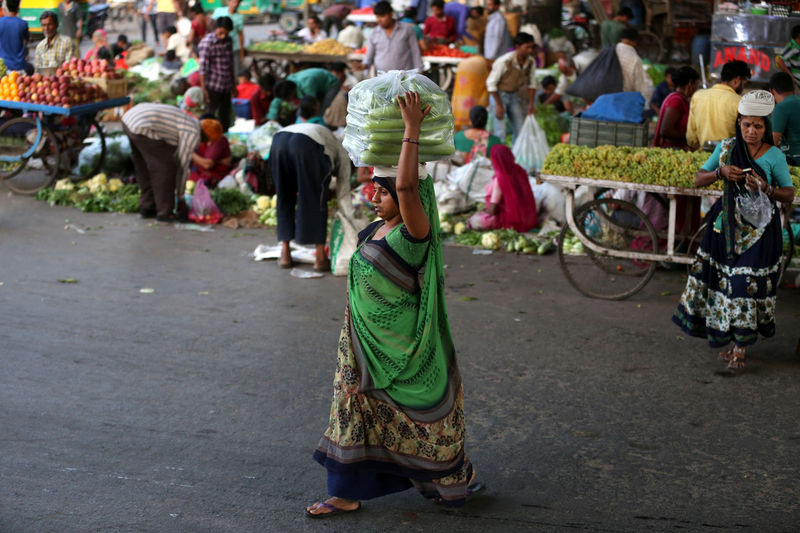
[(587, 132)]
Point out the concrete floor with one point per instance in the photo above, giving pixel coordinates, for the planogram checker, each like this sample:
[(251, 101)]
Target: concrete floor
[(195, 408)]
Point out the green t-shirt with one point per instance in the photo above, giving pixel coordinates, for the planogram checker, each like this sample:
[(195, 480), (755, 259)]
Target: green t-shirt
[(281, 111), (314, 82), (238, 24), (610, 31), (786, 121)]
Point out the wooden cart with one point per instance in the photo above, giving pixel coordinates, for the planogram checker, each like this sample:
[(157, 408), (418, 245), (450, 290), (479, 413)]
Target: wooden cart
[(620, 246)]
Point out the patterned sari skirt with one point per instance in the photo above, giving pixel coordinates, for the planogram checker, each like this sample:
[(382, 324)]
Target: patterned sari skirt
[(732, 299), (374, 447)]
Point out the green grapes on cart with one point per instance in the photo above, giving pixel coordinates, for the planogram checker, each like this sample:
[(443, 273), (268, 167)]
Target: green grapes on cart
[(3, 68)]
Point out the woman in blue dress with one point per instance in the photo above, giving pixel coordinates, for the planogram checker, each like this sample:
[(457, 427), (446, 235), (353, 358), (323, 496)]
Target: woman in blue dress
[(731, 291)]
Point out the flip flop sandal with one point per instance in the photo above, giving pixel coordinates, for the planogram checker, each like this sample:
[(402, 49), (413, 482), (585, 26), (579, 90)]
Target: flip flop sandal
[(333, 510), (472, 490)]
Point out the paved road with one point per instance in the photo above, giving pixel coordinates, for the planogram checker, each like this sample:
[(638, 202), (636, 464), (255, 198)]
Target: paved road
[(196, 408)]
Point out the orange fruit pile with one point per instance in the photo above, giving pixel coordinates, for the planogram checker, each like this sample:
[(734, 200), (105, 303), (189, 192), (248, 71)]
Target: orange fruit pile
[(8, 87)]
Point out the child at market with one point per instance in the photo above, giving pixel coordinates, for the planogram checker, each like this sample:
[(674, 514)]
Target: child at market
[(261, 100), (308, 111), (212, 159), (245, 88), (283, 107)]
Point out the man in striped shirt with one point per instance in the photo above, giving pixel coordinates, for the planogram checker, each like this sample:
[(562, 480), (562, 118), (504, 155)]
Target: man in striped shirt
[(789, 59), (163, 139)]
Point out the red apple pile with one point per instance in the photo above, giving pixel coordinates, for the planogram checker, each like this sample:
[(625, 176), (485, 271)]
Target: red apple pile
[(97, 68), (57, 90)]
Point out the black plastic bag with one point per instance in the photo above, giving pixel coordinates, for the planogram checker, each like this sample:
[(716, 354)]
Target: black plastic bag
[(602, 76)]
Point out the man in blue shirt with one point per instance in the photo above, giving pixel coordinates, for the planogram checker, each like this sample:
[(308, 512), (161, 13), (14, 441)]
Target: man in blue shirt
[(14, 39)]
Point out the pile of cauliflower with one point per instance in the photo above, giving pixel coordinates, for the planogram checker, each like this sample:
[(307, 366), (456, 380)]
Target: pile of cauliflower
[(97, 185), (266, 209)]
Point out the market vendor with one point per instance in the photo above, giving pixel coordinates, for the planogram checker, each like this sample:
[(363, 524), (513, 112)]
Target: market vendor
[(567, 76), (475, 140), (511, 73), (212, 159), (313, 31), (100, 40), (163, 139), (316, 82), (440, 28), (509, 197), (54, 49), (303, 158)]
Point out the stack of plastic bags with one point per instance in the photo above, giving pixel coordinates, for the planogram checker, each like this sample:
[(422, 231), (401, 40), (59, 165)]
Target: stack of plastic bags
[(375, 127)]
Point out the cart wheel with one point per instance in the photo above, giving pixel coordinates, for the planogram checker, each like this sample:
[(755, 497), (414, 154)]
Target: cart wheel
[(289, 21), (17, 137), (650, 46), (694, 245), (617, 227)]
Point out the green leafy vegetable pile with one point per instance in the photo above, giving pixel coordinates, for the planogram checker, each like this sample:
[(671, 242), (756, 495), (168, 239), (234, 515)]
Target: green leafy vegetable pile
[(231, 201)]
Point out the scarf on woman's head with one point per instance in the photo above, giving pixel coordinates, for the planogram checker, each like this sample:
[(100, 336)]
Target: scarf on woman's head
[(739, 156), (519, 206)]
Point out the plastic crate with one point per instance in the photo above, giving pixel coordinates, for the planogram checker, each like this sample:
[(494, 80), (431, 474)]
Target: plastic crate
[(241, 107), (587, 132)]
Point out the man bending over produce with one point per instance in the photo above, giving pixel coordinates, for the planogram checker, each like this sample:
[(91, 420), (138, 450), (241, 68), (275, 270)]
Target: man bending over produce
[(303, 159), (392, 45), (163, 139)]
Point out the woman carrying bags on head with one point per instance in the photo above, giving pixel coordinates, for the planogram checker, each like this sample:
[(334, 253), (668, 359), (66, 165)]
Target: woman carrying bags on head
[(731, 291), (397, 417)]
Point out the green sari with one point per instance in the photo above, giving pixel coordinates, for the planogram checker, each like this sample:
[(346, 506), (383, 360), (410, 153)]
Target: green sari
[(397, 418)]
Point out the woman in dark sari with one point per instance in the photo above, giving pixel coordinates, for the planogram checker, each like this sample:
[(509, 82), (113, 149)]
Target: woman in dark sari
[(397, 417), (731, 291)]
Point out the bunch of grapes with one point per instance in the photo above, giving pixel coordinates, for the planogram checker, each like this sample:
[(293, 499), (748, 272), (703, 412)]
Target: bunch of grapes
[(3, 68), (651, 166)]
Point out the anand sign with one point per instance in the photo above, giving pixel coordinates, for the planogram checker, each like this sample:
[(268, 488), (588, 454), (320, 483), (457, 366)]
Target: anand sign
[(760, 58)]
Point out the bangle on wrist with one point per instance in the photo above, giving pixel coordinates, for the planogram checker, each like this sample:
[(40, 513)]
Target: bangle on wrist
[(410, 140), (716, 174)]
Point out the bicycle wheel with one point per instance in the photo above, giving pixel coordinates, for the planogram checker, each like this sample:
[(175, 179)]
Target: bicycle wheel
[(694, 245), (616, 227), (37, 167)]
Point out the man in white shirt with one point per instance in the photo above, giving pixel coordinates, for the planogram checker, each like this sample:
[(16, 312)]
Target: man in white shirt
[(568, 75), (630, 62), (351, 35), (511, 74), (313, 31), (497, 39)]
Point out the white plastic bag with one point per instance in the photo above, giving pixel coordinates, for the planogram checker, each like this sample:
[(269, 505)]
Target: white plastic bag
[(755, 207), (375, 126), (473, 177), (450, 199), (530, 148)]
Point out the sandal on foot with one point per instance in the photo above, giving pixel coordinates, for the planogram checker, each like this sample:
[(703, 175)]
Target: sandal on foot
[(736, 361), (332, 510), (726, 356)]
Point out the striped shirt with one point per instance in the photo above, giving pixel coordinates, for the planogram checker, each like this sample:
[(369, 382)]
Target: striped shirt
[(216, 62), (53, 54), (791, 56), (169, 124)]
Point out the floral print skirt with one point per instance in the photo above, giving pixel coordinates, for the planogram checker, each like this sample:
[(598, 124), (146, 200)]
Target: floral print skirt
[(374, 447), (732, 300)]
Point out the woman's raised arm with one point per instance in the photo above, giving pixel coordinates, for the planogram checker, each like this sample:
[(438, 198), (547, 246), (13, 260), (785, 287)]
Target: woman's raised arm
[(411, 209)]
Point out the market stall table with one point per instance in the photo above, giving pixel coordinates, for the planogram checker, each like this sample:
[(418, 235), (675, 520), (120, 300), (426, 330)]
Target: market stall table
[(277, 63), (46, 142), (620, 247)]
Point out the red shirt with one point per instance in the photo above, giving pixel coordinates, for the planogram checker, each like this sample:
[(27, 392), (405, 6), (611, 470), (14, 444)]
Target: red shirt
[(247, 90), (441, 29), (200, 30)]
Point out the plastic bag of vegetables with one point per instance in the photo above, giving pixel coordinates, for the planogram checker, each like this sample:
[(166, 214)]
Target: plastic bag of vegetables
[(375, 127)]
